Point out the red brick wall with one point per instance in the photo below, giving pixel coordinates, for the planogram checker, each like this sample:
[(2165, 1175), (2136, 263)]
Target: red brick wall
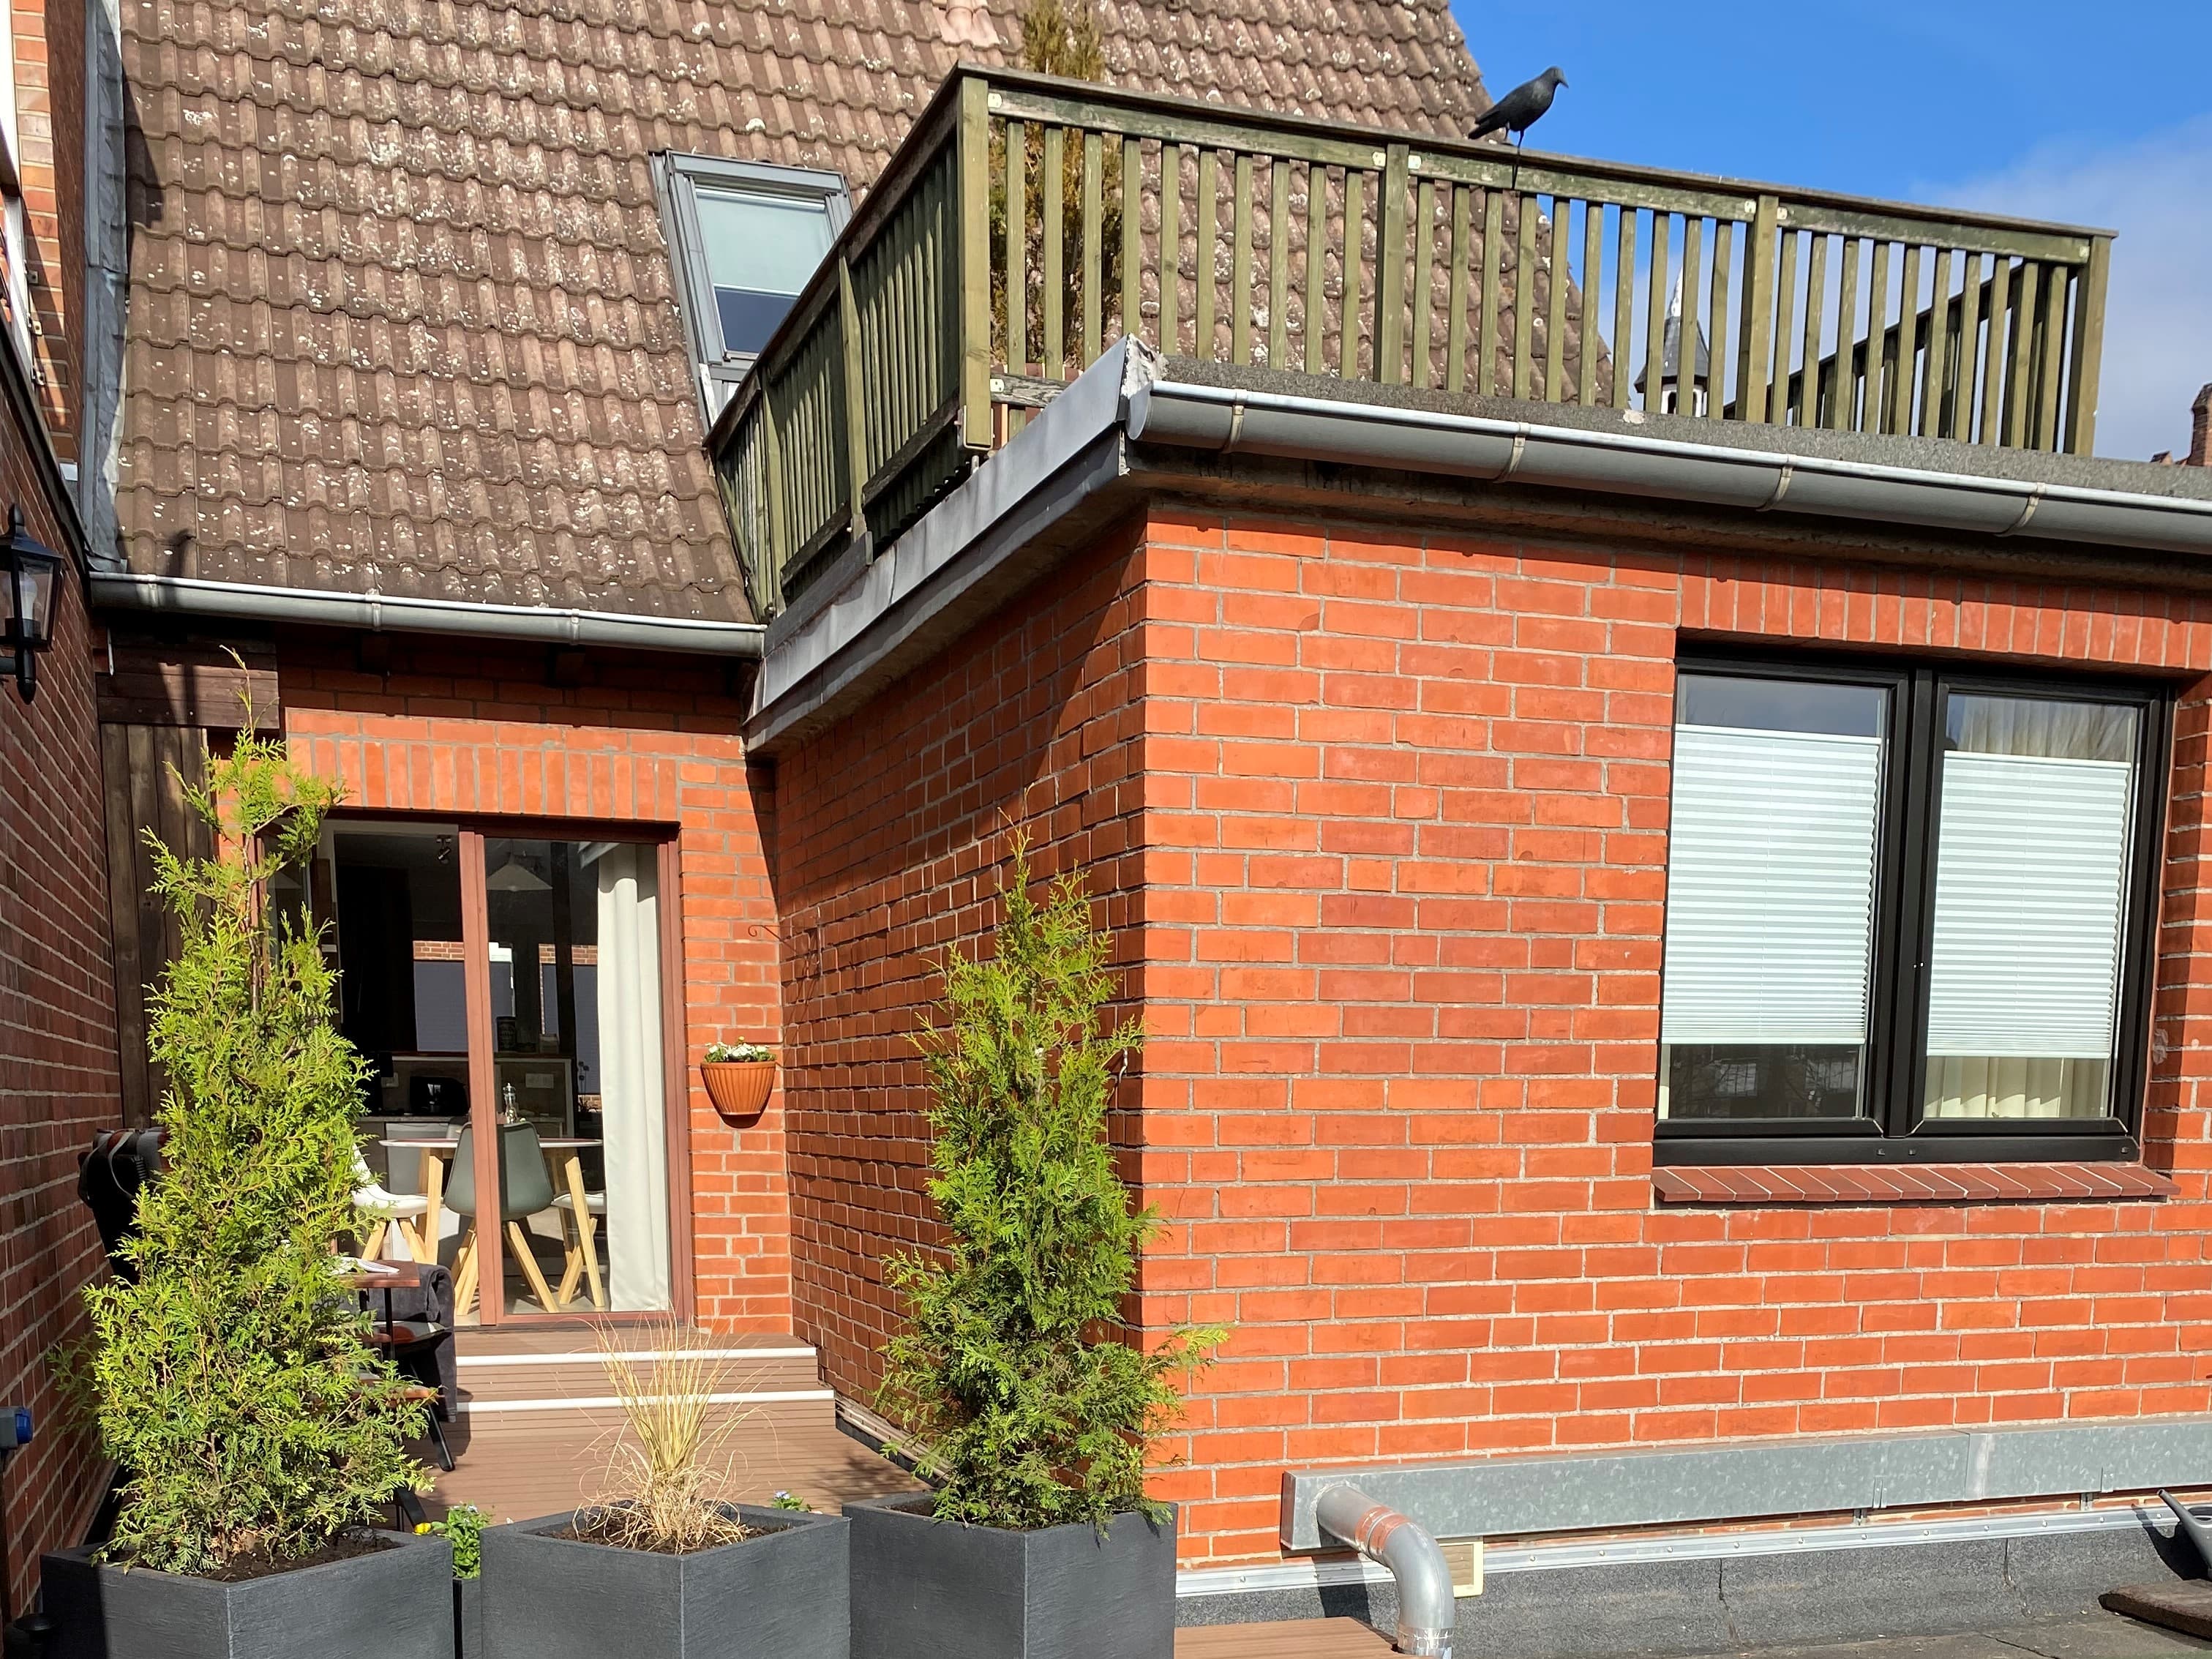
[(1404, 871), (460, 729), (891, 830), (50, 69), (58, 1072), (1392, 905)]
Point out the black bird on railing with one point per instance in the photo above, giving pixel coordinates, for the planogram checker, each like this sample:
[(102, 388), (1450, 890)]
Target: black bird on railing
[(1521, 108)]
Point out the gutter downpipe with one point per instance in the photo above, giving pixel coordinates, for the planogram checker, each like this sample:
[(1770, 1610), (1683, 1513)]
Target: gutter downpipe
[(1224, 419), (249, 602), (1428, 1612)]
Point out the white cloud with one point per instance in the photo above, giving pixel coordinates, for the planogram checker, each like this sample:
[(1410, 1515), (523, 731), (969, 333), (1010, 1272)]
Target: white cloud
[(2157, 193)]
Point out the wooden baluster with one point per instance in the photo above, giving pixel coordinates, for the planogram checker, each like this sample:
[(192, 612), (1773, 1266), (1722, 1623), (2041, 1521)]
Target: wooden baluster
[(1390, 269), (1932, 422), (1897, 406), (1052, 203), (1877, 351), (1094, 263), (1240, 263), (1810, 404), (1317, 288), (1843, 405), (1424, 209), (1654, 342), (1756, 354), (1685, 386), (1785, 315), (1132, 203), (1018, 248), (1586, 349), (1493, 254), (1209, 251), (1462, 203), (1355, 261), (1998, 309), (1966, 358), (2088, 348), (1524, 291), (2049, 381), (2021, 358), (1624, 307), (1557, 280), (1278, 263)]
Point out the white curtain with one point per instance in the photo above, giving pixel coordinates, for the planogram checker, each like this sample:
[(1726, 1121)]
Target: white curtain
[(631, 1095), (1769, 886)]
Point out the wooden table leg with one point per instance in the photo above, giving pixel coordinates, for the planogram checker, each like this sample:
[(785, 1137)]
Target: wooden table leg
[(572, 1169)]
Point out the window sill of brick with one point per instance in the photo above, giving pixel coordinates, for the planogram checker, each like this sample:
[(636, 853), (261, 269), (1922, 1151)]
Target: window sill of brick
[(1888, 1183)]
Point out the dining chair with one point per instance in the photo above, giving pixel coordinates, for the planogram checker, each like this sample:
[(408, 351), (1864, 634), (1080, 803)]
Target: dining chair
[(580, 1235), (526, 1189), (388, 1210)]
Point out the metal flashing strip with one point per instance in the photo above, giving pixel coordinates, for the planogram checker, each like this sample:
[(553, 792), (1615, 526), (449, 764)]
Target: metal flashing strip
[(1295, 427), (549, 624), (1524, 1496), (1637, 1552)]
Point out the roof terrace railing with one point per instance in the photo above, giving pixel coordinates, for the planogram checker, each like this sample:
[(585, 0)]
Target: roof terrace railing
[(1368, 255)]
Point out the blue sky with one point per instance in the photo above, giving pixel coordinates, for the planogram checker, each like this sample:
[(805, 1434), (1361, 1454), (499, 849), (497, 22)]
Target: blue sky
[(2096, 113)]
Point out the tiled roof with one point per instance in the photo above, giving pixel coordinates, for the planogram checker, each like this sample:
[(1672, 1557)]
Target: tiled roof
[(401, 314)]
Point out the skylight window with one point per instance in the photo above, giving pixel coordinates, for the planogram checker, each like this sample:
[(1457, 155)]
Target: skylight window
[(744, 238)]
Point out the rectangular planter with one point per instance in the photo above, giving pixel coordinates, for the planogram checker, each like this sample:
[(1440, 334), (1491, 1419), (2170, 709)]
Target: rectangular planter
[(781, 1595), (924, 1589), (395, 1603)]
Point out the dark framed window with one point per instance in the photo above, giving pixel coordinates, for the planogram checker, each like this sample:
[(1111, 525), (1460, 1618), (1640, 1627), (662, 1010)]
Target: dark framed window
[(744, 237), (1910, 910)]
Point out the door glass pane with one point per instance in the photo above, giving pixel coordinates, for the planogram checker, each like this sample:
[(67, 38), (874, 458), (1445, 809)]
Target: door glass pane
[(2031, 883), (761, 249), (1770, 897), (396, 929), (578, 1064)]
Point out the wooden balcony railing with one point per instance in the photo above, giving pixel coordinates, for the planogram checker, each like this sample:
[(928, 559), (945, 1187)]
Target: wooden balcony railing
[(1371, 255)]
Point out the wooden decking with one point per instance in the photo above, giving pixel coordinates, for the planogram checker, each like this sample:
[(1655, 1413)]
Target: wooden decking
[(535, 1424), (1305, 1639)]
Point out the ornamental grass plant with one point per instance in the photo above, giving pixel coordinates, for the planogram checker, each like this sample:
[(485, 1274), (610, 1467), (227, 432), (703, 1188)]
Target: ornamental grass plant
[(1033, 1399), (227, 1373)]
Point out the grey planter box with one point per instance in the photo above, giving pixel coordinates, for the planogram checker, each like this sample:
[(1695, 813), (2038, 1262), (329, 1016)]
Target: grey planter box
[(923, 1588), (396, 1603), (779, 1596)]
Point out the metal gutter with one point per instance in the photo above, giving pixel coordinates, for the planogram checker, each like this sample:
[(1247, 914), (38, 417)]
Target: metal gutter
[(1227, 420), (549, 624)]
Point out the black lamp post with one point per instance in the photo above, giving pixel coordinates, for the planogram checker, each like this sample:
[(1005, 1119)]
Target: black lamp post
[(28, 570)]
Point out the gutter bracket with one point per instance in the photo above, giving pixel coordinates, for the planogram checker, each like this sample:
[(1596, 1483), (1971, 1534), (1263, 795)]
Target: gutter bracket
[(1781, 487), (2026, 513)]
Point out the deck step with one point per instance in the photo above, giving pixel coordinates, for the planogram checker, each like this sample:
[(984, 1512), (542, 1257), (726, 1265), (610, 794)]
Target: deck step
[(787, 1371)]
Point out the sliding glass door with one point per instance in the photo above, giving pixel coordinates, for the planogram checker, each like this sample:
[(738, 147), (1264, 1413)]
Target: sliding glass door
[(509, 993)]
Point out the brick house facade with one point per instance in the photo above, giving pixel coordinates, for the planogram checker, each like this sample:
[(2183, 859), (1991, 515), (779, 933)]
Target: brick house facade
[(1379, 813)]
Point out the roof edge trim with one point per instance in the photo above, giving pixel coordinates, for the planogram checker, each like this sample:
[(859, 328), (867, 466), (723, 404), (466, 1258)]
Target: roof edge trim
[(381, 612), (1292, 426)]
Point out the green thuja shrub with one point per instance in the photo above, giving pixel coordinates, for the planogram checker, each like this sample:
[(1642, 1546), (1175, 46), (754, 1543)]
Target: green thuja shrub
[(229, 1380), (1034, 1403)]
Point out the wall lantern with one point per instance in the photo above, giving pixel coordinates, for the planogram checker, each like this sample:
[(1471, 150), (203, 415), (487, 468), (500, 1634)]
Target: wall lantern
[(28, 569)]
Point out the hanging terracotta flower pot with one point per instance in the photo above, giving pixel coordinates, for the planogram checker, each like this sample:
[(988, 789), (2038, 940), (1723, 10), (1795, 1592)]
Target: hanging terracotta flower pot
[(739, 1077)]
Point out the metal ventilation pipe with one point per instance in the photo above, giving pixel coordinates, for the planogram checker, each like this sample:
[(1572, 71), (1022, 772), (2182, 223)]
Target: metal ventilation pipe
[(1427, 1611)]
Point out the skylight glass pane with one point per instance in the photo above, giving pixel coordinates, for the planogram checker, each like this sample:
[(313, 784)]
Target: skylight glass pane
[(761, 249)]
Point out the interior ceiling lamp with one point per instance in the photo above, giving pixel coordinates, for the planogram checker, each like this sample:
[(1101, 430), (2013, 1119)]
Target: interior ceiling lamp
[(28, 573), (516, 877)]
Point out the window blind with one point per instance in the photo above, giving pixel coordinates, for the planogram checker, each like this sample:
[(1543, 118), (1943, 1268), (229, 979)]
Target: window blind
[(1769, 886), (2031, 864)]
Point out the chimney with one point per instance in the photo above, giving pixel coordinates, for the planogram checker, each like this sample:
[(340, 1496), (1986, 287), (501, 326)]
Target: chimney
[(2200, 429)]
